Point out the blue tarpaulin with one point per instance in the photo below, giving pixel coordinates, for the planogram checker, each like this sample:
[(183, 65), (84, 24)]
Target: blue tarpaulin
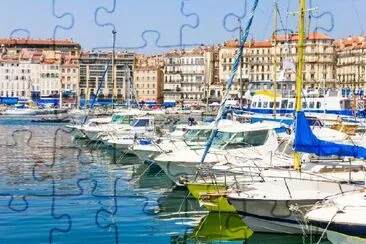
[(169, 104), (306, 141), (53, 101), (9, 100)]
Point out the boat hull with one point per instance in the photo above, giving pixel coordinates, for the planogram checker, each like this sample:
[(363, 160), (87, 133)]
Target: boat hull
[(211, 196), (339, 238), (271, 216), (146, 155), (178, 172), (20, 112)]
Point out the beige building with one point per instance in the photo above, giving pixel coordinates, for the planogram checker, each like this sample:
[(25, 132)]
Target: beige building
[(213, 86), (31, 68), (351, 62), (92, 67), (143, 60), (184, 77), (148, 83), (172, 79), (148, 77), (262, 60)]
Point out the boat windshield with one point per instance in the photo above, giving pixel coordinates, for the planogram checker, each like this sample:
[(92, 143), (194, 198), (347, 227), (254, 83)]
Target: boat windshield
[(225, 140), (285, 149), (140, 123), (121, 119), (197, 135)]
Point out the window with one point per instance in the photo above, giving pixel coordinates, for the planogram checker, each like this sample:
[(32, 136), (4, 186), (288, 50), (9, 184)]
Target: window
[(284, 104), (271, 104), (259, 104), (311, 104), (304, 105), (291, 105), (254, 104), (241, 139), (318, 104)]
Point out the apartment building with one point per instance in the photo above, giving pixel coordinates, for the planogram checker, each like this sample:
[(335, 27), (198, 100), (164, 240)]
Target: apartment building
[(184, 77), (351, 62), (261, 60), (148, 78), (213, 86), (30, 68), (92, 68), (66, 47), (148, 83)]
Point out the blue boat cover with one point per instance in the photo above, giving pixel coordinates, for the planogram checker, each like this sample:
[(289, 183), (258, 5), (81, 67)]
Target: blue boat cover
[(306, 141)]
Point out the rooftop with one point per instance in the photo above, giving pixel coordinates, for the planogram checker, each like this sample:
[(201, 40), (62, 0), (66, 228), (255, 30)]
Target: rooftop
[(40, 42), (280, 38)]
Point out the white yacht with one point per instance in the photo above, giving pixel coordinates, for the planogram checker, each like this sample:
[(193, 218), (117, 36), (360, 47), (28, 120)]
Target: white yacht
[(246, 170), (118, 121), (267, 206), (21, 109), (182, 138), (343, 218), (122, 138), (76, 128), (250, 140)]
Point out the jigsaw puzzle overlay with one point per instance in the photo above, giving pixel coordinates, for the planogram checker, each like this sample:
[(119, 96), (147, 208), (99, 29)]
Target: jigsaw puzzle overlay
[(83, 194), (66, 191)]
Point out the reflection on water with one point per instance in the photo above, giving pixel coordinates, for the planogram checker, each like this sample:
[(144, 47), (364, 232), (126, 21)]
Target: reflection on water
[(221, 227), (67, 191)]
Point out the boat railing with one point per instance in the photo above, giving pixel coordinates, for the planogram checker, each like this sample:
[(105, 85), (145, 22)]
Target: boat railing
[(253, 172)]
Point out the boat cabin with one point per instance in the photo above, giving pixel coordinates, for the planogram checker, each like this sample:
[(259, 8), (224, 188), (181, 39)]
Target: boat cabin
[(245, 135)]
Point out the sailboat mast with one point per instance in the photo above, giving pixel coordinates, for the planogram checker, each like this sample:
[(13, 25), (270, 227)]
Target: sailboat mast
[(299, 77), (114, 93), (240, 66), (275, 58)]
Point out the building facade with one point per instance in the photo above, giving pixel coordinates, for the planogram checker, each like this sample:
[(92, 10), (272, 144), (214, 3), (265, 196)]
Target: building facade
[(148, 78), (148, 83), (213, 86), (262, 60), (31, 68), (351, 62), (92, 69), (184, 77)]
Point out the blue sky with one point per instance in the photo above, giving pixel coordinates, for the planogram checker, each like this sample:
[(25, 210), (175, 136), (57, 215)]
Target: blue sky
[(177, 22)]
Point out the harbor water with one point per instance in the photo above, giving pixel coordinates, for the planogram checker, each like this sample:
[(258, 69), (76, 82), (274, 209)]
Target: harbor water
[(54, 189)]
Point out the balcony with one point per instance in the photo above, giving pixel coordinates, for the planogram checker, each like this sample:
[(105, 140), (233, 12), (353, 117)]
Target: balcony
[(169, 72), (192, 72), (193, 82)]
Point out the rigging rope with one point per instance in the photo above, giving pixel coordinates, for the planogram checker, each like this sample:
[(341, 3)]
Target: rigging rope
[(98, 91), (230, 81)]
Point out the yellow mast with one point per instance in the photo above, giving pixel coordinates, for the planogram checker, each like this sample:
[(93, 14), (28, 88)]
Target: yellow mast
[(299, 77), (275, 58)]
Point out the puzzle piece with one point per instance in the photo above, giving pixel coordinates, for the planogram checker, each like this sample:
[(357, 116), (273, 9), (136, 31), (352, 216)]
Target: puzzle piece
[(74, 184), (234, 19), (45, 170), (329, 26), (146, 29), (61, 16), (26, 23)]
